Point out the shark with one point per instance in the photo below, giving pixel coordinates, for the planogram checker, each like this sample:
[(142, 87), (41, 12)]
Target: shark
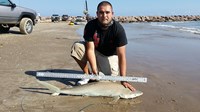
[(100, 88)]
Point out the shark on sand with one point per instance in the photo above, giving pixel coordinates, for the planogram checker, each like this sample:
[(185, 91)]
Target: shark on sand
[(101, 88)]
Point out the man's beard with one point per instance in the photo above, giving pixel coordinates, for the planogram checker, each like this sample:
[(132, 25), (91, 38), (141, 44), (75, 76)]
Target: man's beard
[(105, 26)]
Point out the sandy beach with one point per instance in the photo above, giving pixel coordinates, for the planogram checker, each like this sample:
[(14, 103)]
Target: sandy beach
[(48, 49)]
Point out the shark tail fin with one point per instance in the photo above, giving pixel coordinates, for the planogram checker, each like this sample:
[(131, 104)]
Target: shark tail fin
[(55, 90)]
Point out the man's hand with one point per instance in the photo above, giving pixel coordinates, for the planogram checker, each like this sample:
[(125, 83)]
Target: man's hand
[(127, 85)]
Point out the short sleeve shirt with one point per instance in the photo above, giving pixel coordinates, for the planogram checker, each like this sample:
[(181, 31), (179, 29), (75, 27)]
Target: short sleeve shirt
[(105, 41)]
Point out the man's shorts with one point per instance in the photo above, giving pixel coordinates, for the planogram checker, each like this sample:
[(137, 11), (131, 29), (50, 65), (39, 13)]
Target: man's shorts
[(106, 64)]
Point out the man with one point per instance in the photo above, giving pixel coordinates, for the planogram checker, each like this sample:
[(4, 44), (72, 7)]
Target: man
[(104, 46)]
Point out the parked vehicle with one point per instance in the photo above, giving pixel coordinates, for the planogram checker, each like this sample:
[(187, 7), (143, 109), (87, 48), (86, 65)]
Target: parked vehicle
[(65, 17), (12, 15), (55, 17), (80, 18)]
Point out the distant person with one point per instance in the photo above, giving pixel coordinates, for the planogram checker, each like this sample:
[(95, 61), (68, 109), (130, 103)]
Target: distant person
[(104, 46)]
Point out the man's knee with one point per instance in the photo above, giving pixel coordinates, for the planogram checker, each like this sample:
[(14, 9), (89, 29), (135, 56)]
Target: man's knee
[(78, 51)]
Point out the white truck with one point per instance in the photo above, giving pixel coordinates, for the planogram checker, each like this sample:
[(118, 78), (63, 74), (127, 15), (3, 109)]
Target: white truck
[(12, 15)]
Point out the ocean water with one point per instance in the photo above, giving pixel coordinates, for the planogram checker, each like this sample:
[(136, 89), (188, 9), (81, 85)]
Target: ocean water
[(164, 48)]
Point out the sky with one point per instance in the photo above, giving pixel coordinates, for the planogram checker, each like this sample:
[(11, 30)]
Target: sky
[(121, 7)]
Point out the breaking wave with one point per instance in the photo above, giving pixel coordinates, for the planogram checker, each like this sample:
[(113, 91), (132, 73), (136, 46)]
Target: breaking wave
[(192, 27)]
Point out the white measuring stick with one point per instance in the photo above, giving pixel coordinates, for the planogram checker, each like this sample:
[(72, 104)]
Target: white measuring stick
[(97, 77)]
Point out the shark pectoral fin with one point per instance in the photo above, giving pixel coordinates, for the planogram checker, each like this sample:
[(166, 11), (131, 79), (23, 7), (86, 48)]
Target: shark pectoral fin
[(115, 99), (55, 94)]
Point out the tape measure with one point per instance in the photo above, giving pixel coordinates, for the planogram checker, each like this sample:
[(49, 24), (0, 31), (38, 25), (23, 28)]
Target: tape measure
[(96, 77)]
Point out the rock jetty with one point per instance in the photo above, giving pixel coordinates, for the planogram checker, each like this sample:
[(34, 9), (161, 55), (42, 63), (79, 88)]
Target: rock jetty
[(130, 19)]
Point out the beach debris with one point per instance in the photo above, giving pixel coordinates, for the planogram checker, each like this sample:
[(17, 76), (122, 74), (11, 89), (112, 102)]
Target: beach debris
[(102, 88), (1, 45)]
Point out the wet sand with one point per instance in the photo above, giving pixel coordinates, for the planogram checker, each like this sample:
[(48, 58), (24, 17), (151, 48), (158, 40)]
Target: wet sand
[(48, 49)]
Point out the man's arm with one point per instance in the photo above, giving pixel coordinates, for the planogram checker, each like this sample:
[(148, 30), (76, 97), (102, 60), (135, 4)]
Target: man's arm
[(121, 52), (90, 54)]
